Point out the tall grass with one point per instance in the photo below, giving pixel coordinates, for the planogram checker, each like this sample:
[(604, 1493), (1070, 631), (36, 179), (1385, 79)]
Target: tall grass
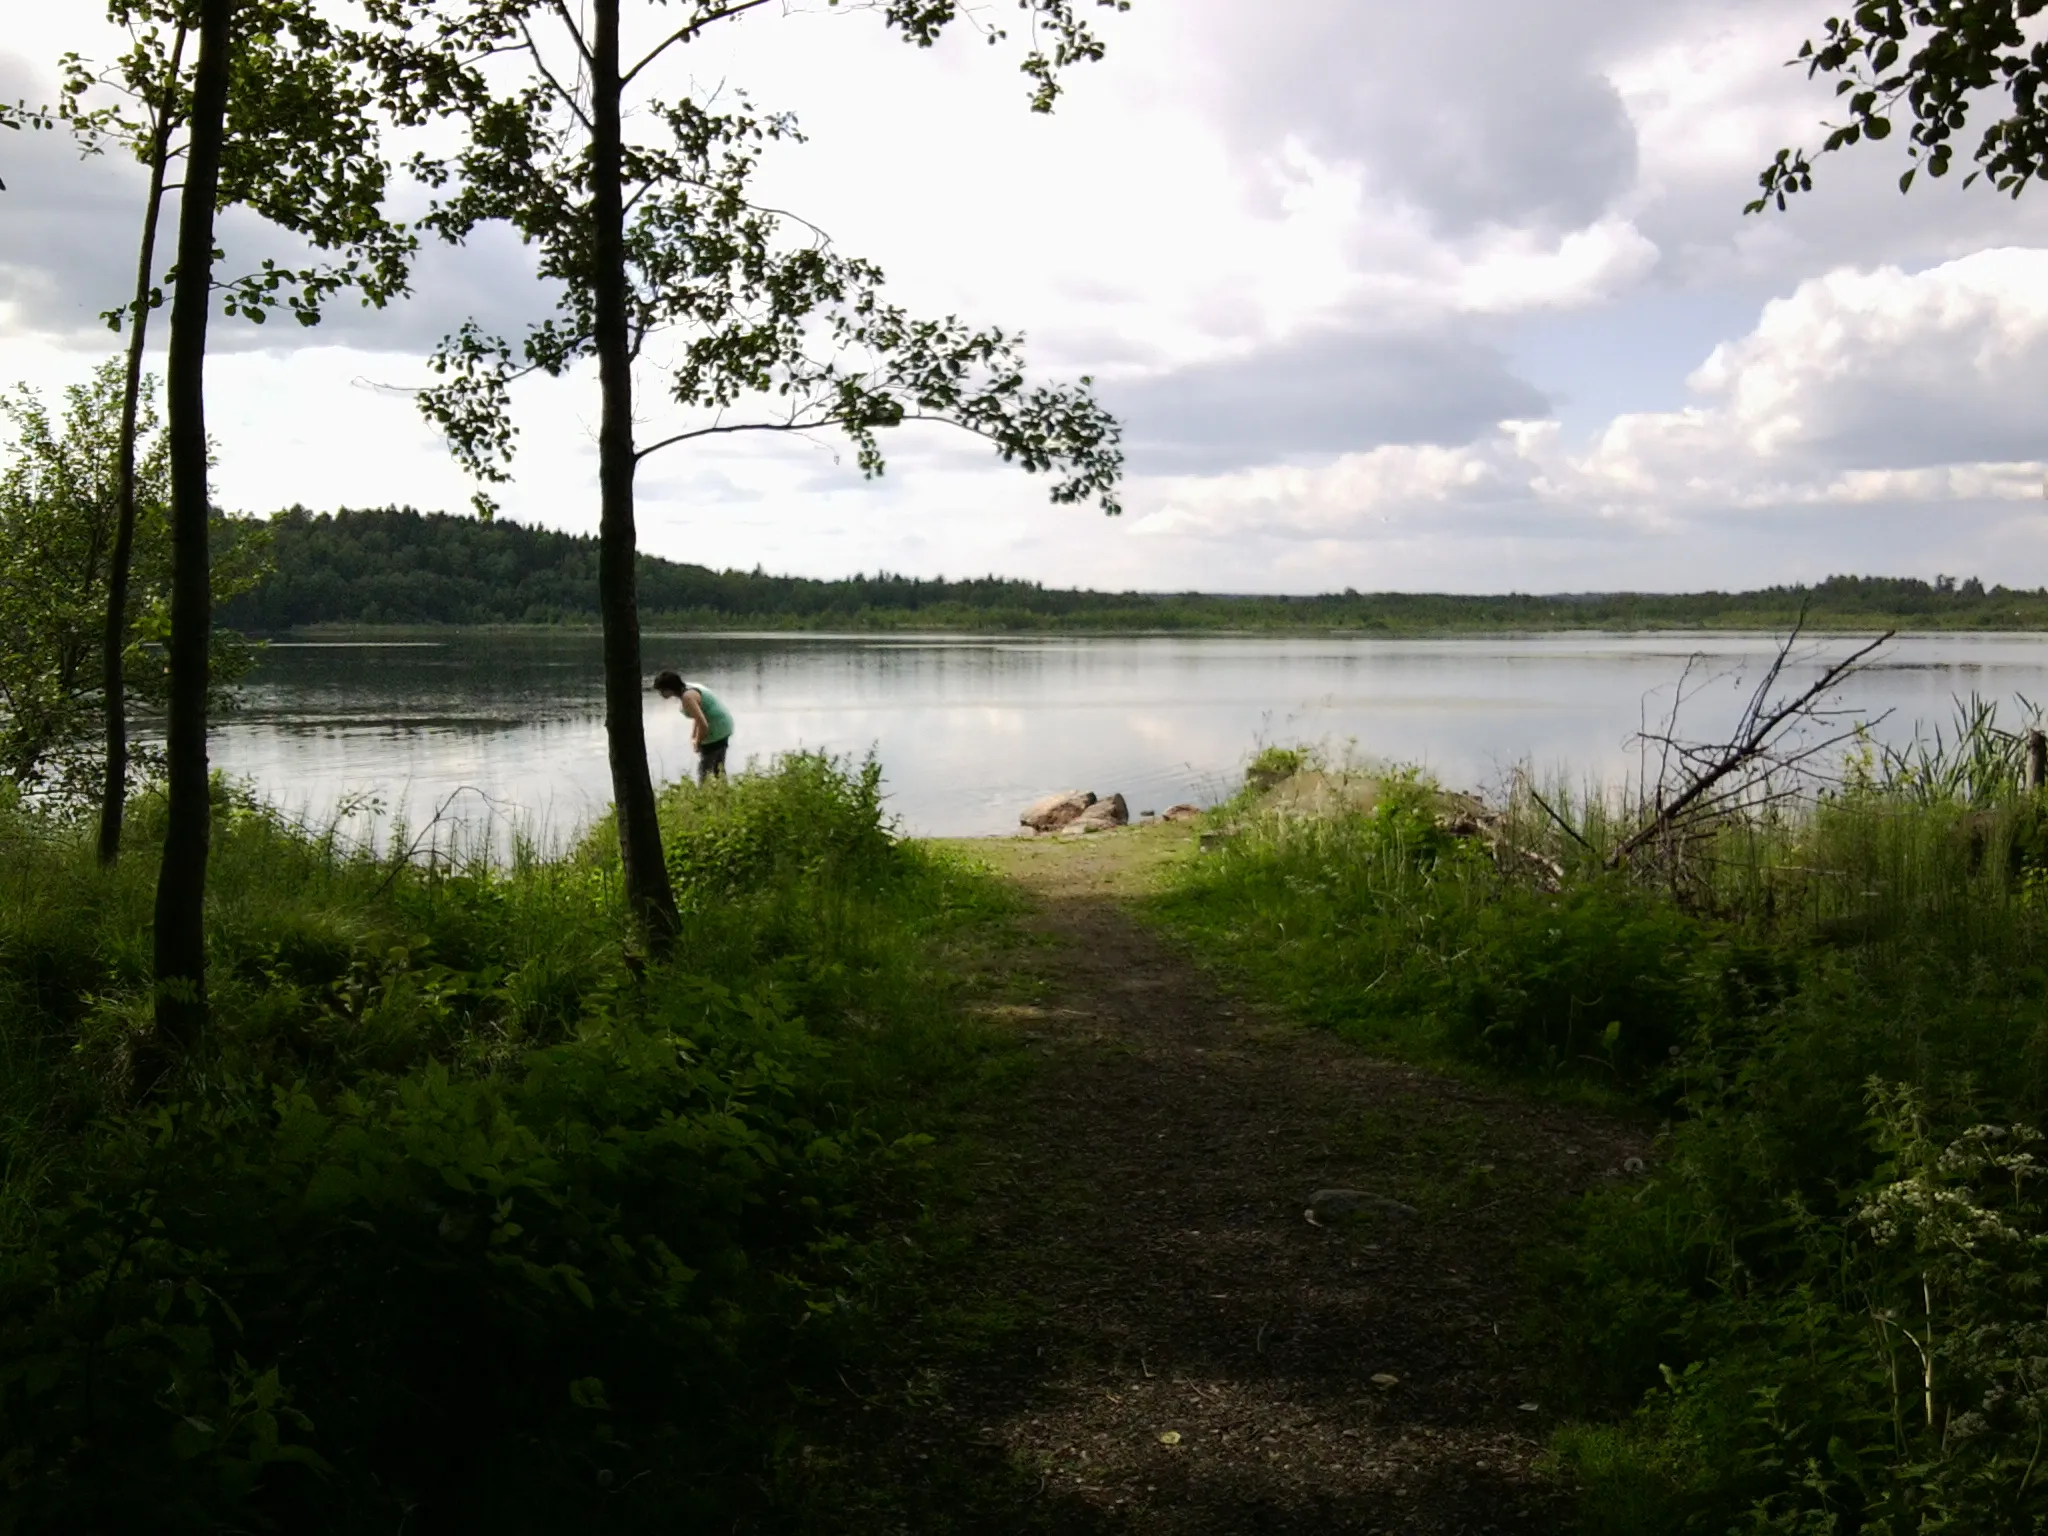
[(465, 1215), (1820, 1308)]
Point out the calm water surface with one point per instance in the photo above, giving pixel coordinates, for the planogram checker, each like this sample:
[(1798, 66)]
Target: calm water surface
[(508, 730)]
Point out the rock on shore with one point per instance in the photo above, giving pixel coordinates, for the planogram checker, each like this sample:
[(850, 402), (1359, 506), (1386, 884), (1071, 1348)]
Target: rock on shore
[(1055, 811), (1101, 816), (1075, 813)]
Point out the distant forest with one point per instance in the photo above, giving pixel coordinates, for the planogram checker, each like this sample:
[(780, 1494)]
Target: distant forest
[(399, 566)]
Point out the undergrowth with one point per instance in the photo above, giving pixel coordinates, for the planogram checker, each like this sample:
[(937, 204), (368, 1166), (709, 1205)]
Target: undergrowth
[(464, 1215), (1821, 1308)]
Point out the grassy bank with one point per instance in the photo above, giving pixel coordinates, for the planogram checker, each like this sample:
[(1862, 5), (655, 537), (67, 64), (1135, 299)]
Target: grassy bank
[(465, 1216), (1819, 1307)]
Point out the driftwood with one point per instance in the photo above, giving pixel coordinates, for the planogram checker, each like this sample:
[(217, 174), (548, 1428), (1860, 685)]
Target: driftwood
[(1491, 829), (1698, 783)]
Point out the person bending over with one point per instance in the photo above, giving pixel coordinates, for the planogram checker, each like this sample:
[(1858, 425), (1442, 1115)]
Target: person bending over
[(710, 722)]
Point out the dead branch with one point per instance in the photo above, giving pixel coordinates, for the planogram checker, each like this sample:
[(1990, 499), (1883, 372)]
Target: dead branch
[(1720, 776), (1563, 826), (1550, 871)]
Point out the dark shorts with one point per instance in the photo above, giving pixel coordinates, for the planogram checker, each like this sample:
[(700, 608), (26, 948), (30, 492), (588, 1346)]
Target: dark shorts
[(711, 760)]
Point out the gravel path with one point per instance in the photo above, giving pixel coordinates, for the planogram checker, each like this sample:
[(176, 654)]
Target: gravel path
[(1212, 1361)]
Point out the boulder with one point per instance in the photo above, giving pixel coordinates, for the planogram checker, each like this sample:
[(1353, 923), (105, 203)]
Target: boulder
[(1103, 815), (1055, 811), (1181, 812)]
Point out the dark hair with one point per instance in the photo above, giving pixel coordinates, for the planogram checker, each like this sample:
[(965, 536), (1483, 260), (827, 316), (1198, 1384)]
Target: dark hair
[(668, 682)]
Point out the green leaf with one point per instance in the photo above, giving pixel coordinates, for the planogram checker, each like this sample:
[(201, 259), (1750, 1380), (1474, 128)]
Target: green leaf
[(573, 1279)]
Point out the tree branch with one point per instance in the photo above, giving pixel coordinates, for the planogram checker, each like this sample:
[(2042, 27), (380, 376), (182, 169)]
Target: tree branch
[(685, 34), (1563, 826), (575, 31), (836, 419), (723, 430), (1752, 738), (568, 98)]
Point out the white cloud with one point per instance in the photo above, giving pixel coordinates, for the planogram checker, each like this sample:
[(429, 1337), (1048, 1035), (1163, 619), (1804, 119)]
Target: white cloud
[(1299, 253), (1871, 391), (1522, 269), (1883, 368)]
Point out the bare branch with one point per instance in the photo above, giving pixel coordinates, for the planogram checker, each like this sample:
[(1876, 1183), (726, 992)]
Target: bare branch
[(575, 29), (1562, 825), (684, 34), (1761, 721), (568, 97), (727, 429)]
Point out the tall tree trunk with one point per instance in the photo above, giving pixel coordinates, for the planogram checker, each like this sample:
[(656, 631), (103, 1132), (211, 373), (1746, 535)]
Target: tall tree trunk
[(114, 792), (647, 885), (181, 882)]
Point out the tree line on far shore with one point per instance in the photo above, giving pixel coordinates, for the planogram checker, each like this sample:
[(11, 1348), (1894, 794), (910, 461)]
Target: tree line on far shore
[(400, 566)]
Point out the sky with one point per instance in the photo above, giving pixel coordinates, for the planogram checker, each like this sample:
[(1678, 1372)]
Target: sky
[(1455, 297)]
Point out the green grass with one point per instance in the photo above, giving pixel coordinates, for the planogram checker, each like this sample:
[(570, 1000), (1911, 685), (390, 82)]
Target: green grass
[(1820, 1310), (465, 1215), (1408, 940)]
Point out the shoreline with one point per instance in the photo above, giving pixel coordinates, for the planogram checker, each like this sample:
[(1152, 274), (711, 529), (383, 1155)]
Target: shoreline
[(428, 633)]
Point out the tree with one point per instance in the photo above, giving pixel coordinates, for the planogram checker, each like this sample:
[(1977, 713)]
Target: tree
[(59, 509), (1933, 62), (152, 81), (299, 148), (57, 518), (179, 936), (280, 120), (652, 232)]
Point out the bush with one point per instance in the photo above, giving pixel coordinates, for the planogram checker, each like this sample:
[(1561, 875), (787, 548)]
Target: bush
[(1597, 977), (459, 1287), (1275, 765), (462, 1218), (813, 821), (1873, 1360), (1820, 1309), (1389, 927)]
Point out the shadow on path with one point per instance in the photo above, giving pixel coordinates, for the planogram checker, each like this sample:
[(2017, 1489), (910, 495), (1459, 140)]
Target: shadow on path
[(1209, 1361)]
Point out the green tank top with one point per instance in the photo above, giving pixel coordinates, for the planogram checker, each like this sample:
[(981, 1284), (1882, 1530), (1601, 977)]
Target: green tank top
[(717, 717)]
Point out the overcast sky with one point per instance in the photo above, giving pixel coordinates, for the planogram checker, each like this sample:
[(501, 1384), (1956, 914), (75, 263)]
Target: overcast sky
[(1456, 296)]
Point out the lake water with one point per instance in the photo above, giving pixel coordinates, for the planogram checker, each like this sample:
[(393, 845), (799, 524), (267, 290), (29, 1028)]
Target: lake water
[(508, 729)]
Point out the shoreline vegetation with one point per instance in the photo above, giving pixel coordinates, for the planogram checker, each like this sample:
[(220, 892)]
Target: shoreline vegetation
[(399, 569), (464, 1212), (467, 1210), (1814, 1305)]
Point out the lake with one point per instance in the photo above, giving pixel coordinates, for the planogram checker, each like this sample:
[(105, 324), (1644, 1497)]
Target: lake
[(507, 729)]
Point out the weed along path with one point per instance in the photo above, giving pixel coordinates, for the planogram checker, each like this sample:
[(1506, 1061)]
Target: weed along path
[(1211, 1361)]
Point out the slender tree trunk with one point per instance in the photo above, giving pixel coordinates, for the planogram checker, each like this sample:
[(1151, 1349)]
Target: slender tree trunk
[(114, 793), (647, 885), (181, 882)]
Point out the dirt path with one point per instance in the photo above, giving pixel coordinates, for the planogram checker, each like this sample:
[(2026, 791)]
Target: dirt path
[(1214, 1363)]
